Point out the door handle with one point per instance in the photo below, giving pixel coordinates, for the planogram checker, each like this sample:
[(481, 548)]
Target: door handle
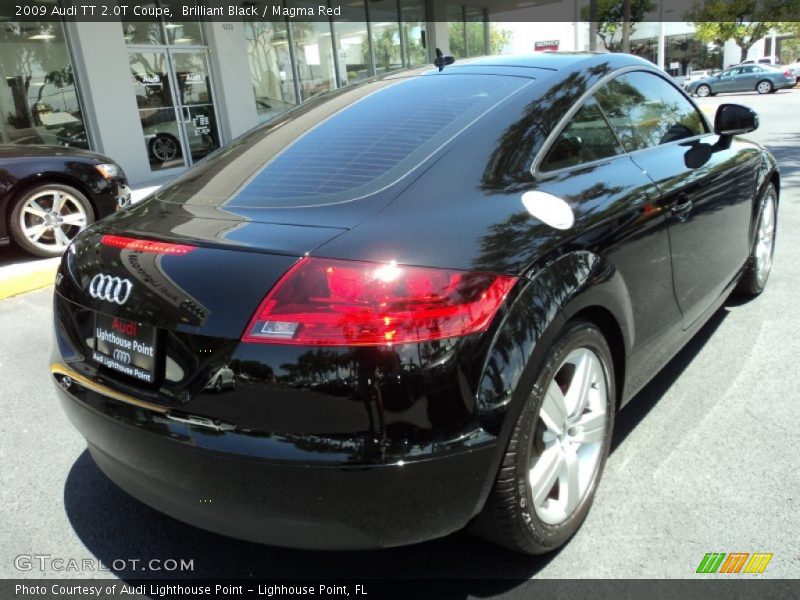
[(682, 207)]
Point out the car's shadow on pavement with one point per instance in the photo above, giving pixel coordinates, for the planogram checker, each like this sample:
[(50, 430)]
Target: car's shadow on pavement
[(115, 527)]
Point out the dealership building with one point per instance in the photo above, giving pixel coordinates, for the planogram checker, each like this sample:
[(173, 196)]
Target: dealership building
[(157, 96)]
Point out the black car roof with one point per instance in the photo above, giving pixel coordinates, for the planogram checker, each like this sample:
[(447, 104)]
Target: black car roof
[(548, 61)]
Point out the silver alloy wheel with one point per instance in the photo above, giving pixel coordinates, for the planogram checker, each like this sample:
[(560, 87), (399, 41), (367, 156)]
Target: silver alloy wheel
[(164, 148), (703, 91), (764, 87), (570, 430), (765, 238), (51, 217)]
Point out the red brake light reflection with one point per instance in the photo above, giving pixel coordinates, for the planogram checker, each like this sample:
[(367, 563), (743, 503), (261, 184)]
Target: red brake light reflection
[(126, 243), (326, 302)]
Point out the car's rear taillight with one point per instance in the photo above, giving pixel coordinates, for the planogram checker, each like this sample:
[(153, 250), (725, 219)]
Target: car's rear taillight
[(126, 243), (788, 73), (326, 302)]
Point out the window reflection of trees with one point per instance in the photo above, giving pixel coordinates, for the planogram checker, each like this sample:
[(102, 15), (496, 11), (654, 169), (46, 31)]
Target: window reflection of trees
[(40, 104), (646, 111)]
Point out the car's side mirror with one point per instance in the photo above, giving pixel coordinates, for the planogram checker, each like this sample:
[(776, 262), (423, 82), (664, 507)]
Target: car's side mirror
[(735, 119)]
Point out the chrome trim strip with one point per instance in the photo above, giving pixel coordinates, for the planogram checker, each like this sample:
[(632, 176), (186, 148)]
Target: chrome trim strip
[(58, 369)]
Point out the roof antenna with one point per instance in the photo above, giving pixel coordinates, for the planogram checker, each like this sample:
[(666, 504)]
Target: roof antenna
[(442, 61)]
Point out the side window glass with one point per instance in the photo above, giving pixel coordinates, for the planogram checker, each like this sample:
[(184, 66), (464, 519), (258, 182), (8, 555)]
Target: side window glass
[(646, 111), (587, 138)]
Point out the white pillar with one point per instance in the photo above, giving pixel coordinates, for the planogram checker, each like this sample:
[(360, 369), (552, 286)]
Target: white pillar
[(774, 44), (233, 87), (101, 62), (661, 49)]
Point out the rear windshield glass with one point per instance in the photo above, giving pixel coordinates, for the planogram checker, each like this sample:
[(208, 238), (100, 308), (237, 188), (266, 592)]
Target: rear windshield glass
[(374, 142)]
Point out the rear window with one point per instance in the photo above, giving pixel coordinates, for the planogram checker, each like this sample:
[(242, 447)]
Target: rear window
[(373, 142)]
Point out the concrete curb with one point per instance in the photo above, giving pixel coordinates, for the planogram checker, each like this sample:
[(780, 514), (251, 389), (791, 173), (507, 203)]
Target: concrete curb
[(21, 283)]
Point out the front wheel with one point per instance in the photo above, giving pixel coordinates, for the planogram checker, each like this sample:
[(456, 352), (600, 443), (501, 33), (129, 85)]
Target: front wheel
[(764, 87), (759, 264), (46, 218), (557, 449), (703, 91)]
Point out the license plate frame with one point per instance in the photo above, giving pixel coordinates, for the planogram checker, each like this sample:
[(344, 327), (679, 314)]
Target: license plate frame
[(126, 347)]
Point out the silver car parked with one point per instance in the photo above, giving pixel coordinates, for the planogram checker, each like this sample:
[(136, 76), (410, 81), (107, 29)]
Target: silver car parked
[(744, 78)]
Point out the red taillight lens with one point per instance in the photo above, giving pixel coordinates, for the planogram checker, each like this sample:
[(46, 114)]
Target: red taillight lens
[(788, 73), (126, 243), (326, 302)]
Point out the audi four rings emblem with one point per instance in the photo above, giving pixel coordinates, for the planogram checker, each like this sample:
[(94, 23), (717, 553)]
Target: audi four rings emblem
[(111, 289), (122, 356)]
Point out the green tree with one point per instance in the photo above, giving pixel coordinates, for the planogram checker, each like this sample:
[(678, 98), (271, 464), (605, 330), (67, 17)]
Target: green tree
[(743, 21), (611, 21)]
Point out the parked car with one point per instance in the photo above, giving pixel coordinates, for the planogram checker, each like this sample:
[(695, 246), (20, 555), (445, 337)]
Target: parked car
[(694, 76), (50, 193), (488, 259), (795, 69), (744, 78), (767, 60)]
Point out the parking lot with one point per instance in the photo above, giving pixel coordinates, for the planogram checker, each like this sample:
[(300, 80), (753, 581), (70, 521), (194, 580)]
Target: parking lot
[(703, 460)]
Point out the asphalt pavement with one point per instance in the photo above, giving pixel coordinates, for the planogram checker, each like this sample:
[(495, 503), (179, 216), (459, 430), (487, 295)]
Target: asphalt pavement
[(705, 459)]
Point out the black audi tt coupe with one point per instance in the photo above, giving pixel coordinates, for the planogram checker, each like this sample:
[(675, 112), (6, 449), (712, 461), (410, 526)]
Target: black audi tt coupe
[(411, 305)]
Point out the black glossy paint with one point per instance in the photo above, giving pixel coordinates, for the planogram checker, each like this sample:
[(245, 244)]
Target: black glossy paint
[(24, 166), (379, 446)]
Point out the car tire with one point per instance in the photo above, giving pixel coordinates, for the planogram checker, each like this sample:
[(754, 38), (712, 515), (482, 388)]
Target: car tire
[(45, 218), (164, 148), (703, 90), (765, 87), (535, 518), (759, 263)]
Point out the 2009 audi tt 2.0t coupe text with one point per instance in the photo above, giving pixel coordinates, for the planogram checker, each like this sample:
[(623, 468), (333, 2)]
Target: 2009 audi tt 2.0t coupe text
[(411, 305)]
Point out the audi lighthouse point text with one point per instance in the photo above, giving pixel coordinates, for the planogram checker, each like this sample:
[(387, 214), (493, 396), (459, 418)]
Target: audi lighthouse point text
[(413, 305)]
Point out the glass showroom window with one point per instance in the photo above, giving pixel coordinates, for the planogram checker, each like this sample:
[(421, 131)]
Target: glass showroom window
[(270, 68), (412, 17), (385, 35), (476, 31), (352, 44), (456, 31), (313, 53), (39, 101)]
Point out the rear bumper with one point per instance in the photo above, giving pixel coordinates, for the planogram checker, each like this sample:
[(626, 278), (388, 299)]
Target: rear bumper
[(283, 490)]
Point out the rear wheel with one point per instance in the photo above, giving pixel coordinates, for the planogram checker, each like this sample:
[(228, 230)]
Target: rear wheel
[(764, 87), (703, 91), (558, 448), (46, 218), (759, 265)]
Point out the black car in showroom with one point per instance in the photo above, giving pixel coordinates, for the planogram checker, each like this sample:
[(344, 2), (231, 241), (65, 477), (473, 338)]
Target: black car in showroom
[(48, 194), (431, 293)]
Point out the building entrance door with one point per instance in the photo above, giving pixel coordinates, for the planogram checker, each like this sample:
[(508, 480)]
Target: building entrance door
[(176, 107)]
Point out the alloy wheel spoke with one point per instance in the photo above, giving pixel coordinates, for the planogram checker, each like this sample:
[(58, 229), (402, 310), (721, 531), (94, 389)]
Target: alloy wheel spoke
[(58, 201), (74, 219), (545, 472), (571, 485), (578, 391), (554, 410), (61, 238), (35, 232), (33, 208)]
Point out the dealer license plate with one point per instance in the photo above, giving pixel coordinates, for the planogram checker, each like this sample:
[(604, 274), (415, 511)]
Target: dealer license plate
[(125, 346)]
